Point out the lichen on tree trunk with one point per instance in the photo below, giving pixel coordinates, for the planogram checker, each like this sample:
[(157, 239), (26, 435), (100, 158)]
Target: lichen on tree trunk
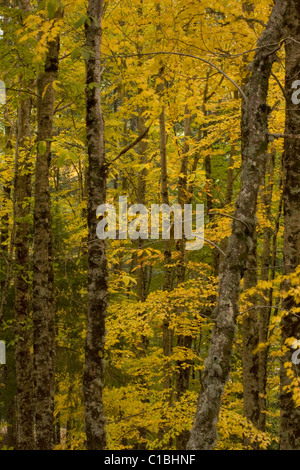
[(97, 263), (43, 299), (254, 135), (290, 324)]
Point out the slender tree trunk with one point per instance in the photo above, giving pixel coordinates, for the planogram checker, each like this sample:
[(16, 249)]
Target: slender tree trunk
[(290, 325), (97, 263), (183, 341), (8, 388), (250, 342), (256, 320), (164, 191), (5, 260), (141, 199), (183, 196), (230, 176), (25, 410), (265, 310), (254, 148), (142, 269), (42, 302), (24, 363)]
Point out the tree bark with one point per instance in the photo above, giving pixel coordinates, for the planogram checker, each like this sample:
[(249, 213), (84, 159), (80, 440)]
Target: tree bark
[(265, 310), (24, 363), (250, 342), (254, 147), (24, 369), (290, 325), (164, 193), (141, 199), (183, 341), (42, 302), (97, 263)]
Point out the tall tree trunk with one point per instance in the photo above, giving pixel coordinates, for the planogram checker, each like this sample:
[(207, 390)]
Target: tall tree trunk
[(8, 388), (183, 196), (250, 342), (183, 341), (141, 199), (25, 410), (254, 148), (230, 175), (164, 191), (5, 261), (97, 263), (256, 320), (290, 325), (265, 305), (24, 364), (42, 302)]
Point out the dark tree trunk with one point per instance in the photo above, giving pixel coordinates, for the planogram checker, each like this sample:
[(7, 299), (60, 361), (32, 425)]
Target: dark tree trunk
[(42, 302), (164, 192), (141, 199), (183, 341), (265, 305), (254, 149), (25, 410), (97, 264), (290, 415), (24, 364), (250, 342)]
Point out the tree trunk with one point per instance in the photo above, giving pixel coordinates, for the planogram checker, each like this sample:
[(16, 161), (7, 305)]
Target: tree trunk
[(42, 302), (256, 321), (25, 436), (265, 310), (24, 365), (183, 341), (250, 342), (141, 199), (254, 148), (164, 191), (290, 415), (97, 264)]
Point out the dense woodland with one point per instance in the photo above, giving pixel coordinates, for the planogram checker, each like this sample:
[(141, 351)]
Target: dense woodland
[(144, 344)]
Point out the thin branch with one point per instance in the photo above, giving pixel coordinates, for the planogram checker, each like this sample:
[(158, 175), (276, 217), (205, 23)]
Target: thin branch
[(58, 110), (260, 306), (130, 146), (21, 91), (272, 137), (251, 20), (279, 84), (211, 243), (230, 217)]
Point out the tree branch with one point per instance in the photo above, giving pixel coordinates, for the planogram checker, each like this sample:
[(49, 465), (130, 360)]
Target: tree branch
[(130, 146)]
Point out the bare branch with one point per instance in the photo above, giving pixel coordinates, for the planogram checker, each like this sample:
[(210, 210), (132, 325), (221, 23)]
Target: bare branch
[(130, 146)]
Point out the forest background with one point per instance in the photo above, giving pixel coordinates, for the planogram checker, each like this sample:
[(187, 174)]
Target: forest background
[(173, 86)]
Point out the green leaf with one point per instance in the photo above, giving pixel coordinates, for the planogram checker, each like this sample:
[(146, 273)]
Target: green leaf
[(85, 53), (80, 22), (41, 5), (51, 7), (42, 147), (94, 85), (76, 53), (89, 20), (61, 160)]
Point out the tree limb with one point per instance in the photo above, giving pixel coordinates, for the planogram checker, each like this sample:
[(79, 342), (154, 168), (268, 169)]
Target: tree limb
[(130, 146)]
